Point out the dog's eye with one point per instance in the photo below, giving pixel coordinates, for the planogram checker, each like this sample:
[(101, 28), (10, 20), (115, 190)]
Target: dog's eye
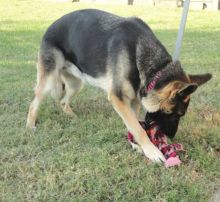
[(167, 111)]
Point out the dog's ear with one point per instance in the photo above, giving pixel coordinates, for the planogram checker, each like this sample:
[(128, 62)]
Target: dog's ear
[(187, 90), (199, 79)]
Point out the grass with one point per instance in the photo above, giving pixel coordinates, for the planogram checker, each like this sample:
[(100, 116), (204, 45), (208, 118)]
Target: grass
[(88, 159)]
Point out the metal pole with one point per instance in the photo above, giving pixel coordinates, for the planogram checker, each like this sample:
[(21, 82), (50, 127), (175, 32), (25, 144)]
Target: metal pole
[(181, 30)]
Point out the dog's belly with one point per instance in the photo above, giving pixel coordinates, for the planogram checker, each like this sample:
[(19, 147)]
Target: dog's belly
[(103, 82)]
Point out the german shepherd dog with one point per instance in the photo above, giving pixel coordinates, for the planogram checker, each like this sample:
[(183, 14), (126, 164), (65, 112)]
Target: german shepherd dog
[(120, 55)]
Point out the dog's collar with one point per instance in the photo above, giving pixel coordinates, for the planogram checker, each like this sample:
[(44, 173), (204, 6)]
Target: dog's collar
[(152, 84)]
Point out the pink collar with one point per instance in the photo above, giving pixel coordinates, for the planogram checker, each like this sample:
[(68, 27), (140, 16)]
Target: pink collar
[(152, 84)]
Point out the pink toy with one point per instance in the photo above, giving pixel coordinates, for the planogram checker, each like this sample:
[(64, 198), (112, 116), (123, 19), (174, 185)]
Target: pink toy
[(159, 139)]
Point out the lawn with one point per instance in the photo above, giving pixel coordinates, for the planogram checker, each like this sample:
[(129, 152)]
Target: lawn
[(88, 158)]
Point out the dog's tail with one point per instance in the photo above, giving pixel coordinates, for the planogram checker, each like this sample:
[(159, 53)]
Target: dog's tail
[(50, 64)]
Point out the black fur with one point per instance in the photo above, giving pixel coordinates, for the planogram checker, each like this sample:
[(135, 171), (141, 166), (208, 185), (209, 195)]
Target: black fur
[(91, 39), (168, 123), (87, 37)]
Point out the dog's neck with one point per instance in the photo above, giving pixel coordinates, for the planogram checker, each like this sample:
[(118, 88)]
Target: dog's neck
[(148, 94), (169, 72), (152, 77), (152, 84)]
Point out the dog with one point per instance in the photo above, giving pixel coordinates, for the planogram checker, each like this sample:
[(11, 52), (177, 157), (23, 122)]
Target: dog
[(120, 55)]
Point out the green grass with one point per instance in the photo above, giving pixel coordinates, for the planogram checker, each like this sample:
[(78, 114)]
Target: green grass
[(89, 159)]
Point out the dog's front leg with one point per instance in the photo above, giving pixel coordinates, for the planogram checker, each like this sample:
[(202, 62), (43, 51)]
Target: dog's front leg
[(123, 108)]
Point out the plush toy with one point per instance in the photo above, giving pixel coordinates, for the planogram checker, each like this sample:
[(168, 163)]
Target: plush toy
[(159, 139)]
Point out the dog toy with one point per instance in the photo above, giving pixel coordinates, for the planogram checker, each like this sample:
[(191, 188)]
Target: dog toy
[(159, 139)]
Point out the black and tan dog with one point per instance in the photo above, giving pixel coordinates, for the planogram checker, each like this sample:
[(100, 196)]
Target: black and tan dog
[(120, 55)]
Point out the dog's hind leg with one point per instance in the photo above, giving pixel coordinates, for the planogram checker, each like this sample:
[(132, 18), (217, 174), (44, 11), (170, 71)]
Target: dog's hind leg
[(72, 86), (48, 81), (40, 92)]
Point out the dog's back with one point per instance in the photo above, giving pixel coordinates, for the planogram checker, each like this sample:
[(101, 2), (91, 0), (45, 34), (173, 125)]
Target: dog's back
[(83, 35)]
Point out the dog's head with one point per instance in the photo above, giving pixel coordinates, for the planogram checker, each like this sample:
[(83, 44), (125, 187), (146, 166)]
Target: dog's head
[(168, 123), (171, 96)]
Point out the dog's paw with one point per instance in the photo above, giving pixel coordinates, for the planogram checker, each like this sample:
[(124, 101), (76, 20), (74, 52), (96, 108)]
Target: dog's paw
[(30, 124), (68, 110), (31, 127), (153, 153)]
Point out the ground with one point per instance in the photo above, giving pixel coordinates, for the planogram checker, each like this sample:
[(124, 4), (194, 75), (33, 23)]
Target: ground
[(88, 158)]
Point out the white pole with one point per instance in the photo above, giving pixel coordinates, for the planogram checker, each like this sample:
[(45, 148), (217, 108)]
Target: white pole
[(181, 30)]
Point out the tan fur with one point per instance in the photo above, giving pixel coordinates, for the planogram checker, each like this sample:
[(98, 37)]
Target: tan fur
[(40, 71), (128, 90), (188, 78), (39, 94), (123, 108), (128, 116), (136, 107), (167, 93)]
